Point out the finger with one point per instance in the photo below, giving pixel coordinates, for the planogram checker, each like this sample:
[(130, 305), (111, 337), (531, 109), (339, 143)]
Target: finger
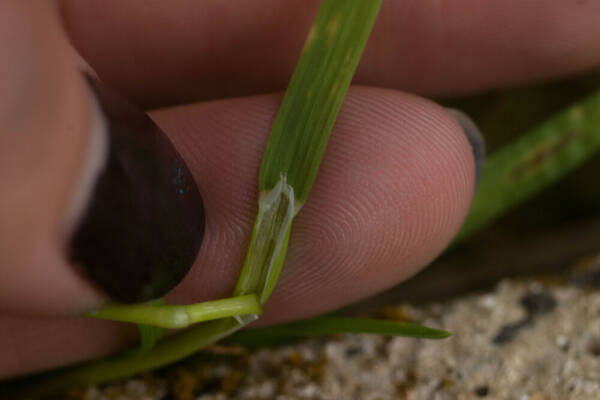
[(47, 118), (375, 167), (394, 186), (161, 54), (94, 187)]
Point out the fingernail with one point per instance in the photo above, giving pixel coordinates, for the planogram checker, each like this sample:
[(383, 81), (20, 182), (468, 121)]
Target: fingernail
[(474, 137), (143, 224)]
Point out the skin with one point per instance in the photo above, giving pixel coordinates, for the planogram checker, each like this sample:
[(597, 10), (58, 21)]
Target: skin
[(395, 183)]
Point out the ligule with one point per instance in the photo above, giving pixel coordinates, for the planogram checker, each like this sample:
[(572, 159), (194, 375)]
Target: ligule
[(268, 244)]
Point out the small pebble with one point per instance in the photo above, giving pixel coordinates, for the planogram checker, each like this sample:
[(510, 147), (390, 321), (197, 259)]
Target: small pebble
[(562, 342), (482, 391)]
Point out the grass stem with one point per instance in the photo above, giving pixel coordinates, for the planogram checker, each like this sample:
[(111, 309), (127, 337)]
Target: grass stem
[(180, 316)]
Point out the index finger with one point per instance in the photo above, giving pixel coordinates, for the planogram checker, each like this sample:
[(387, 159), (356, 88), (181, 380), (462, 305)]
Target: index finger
[(163, 53)]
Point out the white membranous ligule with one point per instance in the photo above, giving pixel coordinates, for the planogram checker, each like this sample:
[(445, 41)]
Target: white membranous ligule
[(283, 210), (268, 246), (276, 210)]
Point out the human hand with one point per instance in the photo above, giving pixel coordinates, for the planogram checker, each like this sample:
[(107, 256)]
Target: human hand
[(401, 164)]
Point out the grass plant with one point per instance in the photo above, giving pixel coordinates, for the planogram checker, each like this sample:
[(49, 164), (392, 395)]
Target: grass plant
[(291, 160)]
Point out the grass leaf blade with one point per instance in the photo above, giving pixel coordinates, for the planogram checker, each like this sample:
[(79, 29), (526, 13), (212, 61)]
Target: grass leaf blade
[(315, 93), (149, 336), (534, 161), (300, 133), (329, 325)]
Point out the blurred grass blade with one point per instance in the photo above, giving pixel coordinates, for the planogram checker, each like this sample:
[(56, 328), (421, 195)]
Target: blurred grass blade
[(328, 325), (150, 335), (531, 163)]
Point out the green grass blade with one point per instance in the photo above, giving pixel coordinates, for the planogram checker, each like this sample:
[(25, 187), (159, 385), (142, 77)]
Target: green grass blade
[(332, 325), (150, 335), (315, 93), (328, 325), (534, 161), (300, 133)]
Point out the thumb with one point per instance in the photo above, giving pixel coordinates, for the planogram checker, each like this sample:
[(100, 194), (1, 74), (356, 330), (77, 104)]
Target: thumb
[(56, 147), (45, 115)]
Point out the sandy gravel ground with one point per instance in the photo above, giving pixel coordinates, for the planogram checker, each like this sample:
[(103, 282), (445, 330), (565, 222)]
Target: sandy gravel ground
[(522, 341)]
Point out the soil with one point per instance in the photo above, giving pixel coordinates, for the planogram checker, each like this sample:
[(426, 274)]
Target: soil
[(534, 339)]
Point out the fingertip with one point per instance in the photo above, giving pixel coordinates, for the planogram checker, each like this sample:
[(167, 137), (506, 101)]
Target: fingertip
[(392, 190), (396, 184), (408, 153)]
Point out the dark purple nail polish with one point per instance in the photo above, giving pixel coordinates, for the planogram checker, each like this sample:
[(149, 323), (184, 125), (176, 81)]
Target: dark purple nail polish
[(144, 224), (475, 138)]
